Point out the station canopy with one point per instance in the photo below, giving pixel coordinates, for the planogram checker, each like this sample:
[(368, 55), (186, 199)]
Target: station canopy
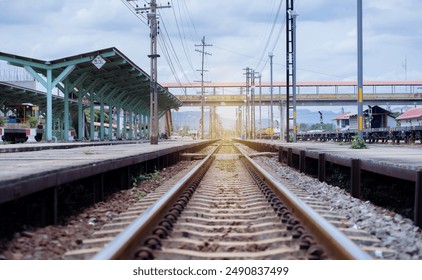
[(14, 95), (107, 74)]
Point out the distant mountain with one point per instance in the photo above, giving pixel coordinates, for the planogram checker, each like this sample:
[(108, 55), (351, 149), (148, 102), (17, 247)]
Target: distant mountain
[(311, 117)]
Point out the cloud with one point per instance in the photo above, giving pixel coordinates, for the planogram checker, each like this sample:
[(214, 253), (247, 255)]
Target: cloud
[(238, 29)]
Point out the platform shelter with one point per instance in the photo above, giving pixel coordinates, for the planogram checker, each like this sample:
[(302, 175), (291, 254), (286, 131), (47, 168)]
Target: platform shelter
[(106, 77)]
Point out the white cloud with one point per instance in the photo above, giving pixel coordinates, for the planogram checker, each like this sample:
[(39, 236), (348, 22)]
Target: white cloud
[(238, 29)]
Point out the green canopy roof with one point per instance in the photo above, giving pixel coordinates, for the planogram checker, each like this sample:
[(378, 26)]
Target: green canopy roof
[(11, 94), (119, 78)]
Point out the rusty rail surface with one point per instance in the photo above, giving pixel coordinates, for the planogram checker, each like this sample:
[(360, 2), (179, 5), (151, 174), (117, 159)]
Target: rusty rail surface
[(153, 221)]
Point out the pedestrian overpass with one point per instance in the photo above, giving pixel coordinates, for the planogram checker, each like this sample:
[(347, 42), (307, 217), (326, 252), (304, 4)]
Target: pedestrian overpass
[(343, 93)]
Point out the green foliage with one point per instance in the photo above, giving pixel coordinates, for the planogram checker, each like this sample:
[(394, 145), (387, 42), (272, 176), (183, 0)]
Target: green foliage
[(316, 126), (358, 143), (138, 193), (33, 122), (2, 121), (144, 177), (97, 115)]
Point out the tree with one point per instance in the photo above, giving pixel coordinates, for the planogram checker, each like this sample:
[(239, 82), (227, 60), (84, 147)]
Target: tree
[(325, 126), (97, 115)]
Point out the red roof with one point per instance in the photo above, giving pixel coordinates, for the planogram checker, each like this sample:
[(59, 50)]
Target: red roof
[(411, 114), (344, 116)]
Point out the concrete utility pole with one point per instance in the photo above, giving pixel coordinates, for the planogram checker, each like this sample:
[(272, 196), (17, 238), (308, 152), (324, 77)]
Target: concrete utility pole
[(253, 126), (152, 20), (247, 107), (260, 103), (203, 52), (271, 95)]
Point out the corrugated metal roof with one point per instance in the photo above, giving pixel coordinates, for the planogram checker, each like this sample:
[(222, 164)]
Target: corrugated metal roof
[(411, 114), (11, 94)]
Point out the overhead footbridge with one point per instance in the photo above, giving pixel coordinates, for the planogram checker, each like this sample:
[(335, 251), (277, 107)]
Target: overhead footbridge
[(322, 93)]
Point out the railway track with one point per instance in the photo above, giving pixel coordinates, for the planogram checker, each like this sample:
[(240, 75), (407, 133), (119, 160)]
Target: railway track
[(228, 208)]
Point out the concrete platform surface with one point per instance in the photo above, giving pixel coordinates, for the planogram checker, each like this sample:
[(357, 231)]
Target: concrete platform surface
[(24, 172)]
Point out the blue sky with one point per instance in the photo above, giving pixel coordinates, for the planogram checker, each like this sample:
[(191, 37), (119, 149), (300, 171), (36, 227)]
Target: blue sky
[(238, 29)]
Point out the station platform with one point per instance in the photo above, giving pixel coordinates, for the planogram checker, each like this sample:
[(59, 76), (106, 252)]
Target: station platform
[(403, 162), (39, 146), (400, 156), (34, 167)]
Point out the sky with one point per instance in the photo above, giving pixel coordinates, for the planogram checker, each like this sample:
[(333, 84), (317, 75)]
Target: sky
[(242, 33)]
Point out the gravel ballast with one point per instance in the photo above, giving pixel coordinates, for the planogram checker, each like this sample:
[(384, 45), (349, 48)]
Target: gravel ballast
[(393, 230)]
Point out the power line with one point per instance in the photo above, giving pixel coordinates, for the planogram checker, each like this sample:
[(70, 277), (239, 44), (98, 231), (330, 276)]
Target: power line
[(181, 39), (190, 19), (132, 8), (271, 34), (173, 52)]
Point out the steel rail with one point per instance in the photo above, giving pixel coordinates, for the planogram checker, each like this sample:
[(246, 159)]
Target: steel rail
[(338, 245), (124, 246)]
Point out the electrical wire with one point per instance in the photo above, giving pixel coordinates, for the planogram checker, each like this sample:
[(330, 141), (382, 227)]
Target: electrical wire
[(181, 37), (132, 9), (170, 44), (270, 35), (191, 21)]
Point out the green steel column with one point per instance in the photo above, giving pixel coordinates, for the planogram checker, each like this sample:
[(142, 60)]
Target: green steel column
[(135, 126), (92, 113), (130, 125), (66, 110), (124, 134), (135, 129), (148, 130), (142, 127), (49, 119), (102, 119), (110, 121), (58, 123), (80, 117), (118, 130)]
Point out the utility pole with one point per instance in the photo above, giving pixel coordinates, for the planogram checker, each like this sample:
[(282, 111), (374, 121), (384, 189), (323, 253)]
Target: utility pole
[(253, 104), (203, 52), (271, 95), (260, 104), (152, 20), (360, 71), (289, 64), (247, 111)]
